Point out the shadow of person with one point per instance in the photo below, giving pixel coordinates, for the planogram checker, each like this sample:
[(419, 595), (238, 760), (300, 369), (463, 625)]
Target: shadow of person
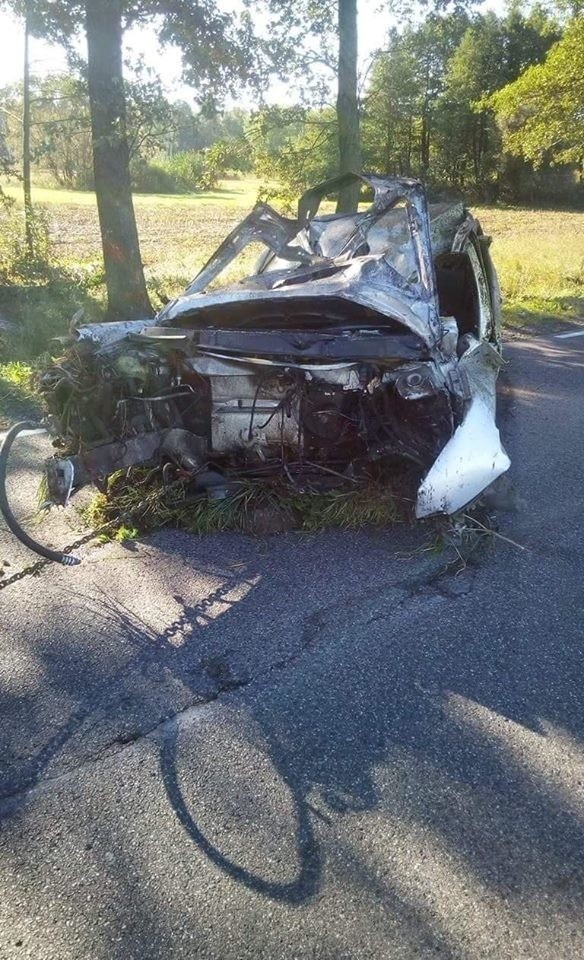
[(308, 880)]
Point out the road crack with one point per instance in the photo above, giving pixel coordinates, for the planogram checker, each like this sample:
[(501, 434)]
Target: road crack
[(397, 596)]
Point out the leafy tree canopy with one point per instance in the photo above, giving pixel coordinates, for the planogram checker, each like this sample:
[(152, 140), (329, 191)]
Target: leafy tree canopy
[(541, 113), (218, 48)]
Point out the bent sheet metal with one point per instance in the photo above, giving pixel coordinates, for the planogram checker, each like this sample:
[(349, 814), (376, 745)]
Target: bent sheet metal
[(359, 342)]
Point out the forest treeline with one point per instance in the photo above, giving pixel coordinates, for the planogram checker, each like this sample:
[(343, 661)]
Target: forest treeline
[(480, 103)]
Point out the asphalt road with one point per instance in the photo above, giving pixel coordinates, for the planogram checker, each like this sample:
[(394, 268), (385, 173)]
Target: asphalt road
[(309, 746)]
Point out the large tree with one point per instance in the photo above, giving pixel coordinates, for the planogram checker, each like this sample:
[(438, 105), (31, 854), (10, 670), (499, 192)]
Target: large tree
[(493, 51), (314, 45), (217, 51), (347, 104), (126, 287), (401, 103), (426, 109), (541, 113)]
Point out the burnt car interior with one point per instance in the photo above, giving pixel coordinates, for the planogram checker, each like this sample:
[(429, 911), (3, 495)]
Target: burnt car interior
[(457, 292)]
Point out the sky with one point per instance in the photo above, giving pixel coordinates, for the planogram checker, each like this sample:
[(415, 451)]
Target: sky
[(47, 58)]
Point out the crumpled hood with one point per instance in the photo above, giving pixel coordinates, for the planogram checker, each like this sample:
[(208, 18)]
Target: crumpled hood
[(367, 282)]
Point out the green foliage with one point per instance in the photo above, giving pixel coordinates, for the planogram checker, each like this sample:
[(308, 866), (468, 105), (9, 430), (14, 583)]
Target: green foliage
[(406, 83), (61, 136), (186, 172), (427, 112), (427, 108), (157, 176), (492, 51), (219, 50), (18, 376), (293, 148), (190, 170), (150, 118), (125, 533), (301, 46), (541, 113), (194, 170), (199, 131), (16, 264), (539, 256), (60, 131), (224, 157), (17, 395), (42, 310), (369, 504)]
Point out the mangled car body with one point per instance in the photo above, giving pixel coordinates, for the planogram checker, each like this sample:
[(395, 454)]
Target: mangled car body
[(360, 341)]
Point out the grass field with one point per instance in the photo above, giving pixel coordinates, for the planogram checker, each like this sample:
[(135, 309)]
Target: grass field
[(539, 255), (177, 233)]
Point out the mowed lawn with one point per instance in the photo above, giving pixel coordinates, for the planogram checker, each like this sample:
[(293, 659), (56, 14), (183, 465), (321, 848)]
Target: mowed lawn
[(539, 253)]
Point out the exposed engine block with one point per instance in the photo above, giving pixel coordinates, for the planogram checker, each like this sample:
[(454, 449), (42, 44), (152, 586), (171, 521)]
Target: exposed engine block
[(253, 412), (160, 402)]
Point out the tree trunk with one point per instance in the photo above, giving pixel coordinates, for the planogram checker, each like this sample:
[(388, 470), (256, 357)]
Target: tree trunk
[(26, 175), (347, 105), (126, 288), (425, 140)]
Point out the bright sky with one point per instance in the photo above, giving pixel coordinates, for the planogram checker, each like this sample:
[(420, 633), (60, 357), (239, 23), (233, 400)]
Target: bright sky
[(47, 58)]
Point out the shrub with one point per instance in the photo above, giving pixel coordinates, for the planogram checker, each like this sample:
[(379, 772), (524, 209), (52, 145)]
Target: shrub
[(187, 171), (151, 177), (16, 263)]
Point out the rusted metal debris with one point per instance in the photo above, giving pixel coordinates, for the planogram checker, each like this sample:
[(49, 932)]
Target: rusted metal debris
[(361, 341)]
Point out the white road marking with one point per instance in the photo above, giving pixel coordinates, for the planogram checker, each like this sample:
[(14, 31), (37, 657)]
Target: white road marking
[(567, 336)]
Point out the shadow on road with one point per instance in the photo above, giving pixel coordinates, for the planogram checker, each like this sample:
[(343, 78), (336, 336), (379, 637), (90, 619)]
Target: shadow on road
[(424, 742), (375, 690)]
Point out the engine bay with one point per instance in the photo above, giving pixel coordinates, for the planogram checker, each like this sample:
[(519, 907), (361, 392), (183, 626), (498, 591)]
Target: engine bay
[(158, 397)]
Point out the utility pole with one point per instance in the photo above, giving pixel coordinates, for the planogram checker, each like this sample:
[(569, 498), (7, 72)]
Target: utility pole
[(26, 177)]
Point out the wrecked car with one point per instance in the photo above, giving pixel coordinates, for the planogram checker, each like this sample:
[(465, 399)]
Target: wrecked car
[(361, 341)]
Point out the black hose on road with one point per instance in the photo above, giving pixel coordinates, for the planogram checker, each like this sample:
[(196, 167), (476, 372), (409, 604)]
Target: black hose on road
[(56, 555)]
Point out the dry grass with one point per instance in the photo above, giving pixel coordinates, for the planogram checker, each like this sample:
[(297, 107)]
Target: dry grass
[(177, 233), (539, 255)]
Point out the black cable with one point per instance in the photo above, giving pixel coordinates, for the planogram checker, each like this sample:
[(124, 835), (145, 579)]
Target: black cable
[(261, 380), (57, 556), (253, 406)]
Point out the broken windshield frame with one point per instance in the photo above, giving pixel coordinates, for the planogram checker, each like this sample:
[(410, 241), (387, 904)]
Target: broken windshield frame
[(287, 239)]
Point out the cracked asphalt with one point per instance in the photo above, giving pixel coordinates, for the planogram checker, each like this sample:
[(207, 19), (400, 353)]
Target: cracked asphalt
[(308, 746)]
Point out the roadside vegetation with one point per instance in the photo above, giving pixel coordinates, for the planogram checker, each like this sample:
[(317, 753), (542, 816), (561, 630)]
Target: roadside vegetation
[(539, 255), (18, 399), (135, 502)]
